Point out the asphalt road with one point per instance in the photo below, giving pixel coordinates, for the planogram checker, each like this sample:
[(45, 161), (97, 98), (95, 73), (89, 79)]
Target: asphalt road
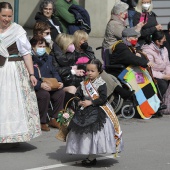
[(147, 147)]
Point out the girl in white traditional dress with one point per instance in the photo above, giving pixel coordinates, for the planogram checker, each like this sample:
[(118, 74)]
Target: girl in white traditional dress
[(19, 117), (94, 128)]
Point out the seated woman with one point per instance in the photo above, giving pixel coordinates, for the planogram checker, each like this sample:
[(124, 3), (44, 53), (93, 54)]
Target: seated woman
[(157, 53), (43, 29), (126, 52), (83, 51), (43, 68), (46, 14), (117, 24)]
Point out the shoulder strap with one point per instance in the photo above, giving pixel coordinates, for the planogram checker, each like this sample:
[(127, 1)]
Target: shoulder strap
[(116, 43)]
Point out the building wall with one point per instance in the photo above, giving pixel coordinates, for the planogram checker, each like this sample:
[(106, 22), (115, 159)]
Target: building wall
[(99, 11)]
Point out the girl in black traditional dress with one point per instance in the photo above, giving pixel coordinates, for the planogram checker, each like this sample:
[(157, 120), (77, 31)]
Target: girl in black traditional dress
[(94, 129)]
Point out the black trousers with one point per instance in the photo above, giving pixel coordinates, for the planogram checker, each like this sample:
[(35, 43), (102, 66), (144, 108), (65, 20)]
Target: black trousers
[(44, 97)]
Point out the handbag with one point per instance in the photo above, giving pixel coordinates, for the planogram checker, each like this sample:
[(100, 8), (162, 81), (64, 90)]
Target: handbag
[(51, 82)]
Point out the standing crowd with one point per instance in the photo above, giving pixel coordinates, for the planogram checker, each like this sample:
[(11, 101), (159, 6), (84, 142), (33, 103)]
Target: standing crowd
[(59, 51)]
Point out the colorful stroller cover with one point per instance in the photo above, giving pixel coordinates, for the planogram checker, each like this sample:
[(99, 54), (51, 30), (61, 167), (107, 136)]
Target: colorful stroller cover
[(145, 90)]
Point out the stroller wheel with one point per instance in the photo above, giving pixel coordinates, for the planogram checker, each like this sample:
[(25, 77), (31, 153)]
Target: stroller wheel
[(128, 111)]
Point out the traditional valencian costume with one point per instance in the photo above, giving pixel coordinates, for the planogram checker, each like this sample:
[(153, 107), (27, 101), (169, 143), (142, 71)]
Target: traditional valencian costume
[(19, 115), (94, 129)]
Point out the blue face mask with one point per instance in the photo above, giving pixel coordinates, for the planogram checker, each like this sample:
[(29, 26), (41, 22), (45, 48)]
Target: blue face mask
[(40, 51)]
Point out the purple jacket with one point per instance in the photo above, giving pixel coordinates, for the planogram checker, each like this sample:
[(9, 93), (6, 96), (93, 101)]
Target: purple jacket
[(159, 58)]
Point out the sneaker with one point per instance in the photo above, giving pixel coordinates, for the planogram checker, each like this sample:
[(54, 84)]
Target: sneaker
[(53, 123), (44, 127)]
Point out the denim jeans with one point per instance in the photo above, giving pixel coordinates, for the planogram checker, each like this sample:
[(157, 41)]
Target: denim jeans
[(131, 13)]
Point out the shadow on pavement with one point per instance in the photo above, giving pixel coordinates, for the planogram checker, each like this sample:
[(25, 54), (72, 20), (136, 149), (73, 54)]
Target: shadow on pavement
[(16, 147), (64, 158)]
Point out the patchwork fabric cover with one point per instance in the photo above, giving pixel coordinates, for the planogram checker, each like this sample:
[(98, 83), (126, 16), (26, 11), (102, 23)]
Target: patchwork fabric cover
[(146, 93)]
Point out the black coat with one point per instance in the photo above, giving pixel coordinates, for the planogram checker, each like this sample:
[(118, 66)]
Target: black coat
[(54, 32), (148, 29), (82, 19), (126, 56), (63, 63)]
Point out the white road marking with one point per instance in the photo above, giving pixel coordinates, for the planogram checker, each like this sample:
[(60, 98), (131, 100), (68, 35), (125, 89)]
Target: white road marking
[(68, 164)]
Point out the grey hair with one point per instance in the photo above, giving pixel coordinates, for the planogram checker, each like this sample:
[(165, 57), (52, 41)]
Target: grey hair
[(44, 3), (119, 7), (138, 7)]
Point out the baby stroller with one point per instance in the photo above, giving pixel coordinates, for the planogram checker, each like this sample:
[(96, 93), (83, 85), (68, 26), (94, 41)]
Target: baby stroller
[(131, 107)]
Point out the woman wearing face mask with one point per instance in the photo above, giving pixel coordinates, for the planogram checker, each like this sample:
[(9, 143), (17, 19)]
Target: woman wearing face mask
[(117, 24), (43, 63), (83, 51), (64, 59), (158, 55), (46, 14), (127, 52), (43, 29), (145, 14)]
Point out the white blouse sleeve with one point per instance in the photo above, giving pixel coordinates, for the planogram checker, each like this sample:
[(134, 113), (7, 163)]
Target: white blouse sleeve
[(24, 46)]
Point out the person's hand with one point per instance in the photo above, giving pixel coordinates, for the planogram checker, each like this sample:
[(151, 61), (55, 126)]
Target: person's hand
[(33, 80), (61, 85), (159, 27), (138, 54), (74, 67), (80, 72), (86, 103), (45, 86), (150, 64), (166, 77), (139, 26)]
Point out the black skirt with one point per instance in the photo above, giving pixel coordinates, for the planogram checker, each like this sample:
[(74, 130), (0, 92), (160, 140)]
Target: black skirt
[(89, 120)]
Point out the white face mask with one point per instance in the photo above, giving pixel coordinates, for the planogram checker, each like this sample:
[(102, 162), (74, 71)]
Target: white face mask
[(48, 38), (146, 6)]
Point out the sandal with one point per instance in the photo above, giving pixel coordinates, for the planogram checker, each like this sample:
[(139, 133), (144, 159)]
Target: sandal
[(88, 162)]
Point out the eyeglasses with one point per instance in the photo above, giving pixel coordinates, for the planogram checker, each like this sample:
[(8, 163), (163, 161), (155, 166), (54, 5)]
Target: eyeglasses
[(48, 9), (47, 33)]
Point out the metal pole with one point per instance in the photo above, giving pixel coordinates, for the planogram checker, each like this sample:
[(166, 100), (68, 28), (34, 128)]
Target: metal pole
[(16, 10)]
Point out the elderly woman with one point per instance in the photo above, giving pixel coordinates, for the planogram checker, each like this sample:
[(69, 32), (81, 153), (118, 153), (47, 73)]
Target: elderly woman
[(117, 24), (126, 52), (144, 13), (46, 14)]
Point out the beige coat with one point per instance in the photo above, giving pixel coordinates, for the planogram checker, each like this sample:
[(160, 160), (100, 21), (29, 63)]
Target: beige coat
[(113, 31)]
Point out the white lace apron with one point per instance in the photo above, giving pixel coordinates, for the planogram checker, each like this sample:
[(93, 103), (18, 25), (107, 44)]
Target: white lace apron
[(12, 110)]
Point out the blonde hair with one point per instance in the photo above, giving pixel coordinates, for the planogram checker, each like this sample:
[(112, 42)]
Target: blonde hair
[(138, 7), (78, 36), (64, 40)]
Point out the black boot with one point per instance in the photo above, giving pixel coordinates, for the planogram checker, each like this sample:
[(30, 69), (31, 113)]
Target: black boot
[(125, 94)]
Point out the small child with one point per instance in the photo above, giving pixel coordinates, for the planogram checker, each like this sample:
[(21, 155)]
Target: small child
[(94, 129)]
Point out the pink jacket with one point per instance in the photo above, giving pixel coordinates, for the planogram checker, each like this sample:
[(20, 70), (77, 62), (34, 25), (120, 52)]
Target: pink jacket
[(160, 59)]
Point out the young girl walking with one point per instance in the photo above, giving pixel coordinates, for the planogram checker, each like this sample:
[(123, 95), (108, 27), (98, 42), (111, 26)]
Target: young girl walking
[(94, 129)]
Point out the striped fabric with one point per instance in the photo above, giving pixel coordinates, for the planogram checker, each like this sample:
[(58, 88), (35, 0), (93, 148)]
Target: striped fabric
[(146, 93)]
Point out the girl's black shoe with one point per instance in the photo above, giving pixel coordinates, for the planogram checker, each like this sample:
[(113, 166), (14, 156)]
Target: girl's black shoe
[(88, 162)]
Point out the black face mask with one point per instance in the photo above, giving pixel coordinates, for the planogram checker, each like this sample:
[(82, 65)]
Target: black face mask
[(163, 45), (84, 46)]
